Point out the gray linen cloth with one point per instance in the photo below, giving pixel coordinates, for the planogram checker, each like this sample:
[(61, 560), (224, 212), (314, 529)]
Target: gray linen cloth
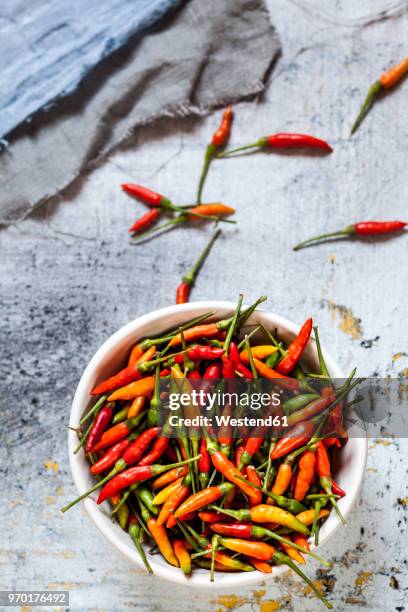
[(204, 55)]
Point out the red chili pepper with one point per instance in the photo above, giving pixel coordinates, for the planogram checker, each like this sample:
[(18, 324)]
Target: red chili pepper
[(284, 141), (135, 452), (253, 477), (110, 457), (238, 454), (251, 447), (298, 436), (237, 362), (183, 290), (133, 475), (194, 375), (363, 228), (204, 464), (102, 420), (312, 409), (158, 449), (295, 349), (228, 370), (219, 139), (336, 489), (128, 375), (145, 220), (146, 195), (213, 371), (233, 530), (201, 353), (182, 293), (116, 433)]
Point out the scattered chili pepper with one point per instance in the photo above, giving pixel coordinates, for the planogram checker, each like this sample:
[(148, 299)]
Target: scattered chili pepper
[(173, 502), (284, 141), (219, 140), (363, 228), (158, 449), (203, 498), (183, 290), (145, 221), (386, 81)]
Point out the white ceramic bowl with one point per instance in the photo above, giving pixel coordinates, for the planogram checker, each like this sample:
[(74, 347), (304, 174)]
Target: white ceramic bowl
[(113, 354)]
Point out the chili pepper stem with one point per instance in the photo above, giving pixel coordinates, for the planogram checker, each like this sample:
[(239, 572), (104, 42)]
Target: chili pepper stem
[(233, 324), (282, 559), (209, 155), (189, 277), (94, 408), (373, 91), (348, 231), (231, 152), (100, 483)]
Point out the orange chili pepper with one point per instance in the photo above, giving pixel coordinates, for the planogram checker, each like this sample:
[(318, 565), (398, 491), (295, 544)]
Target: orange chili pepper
[(259, 550), (261, 566), (211, 210), (306, 517), (159, 535), (135, 353), (300, 540), (169, 477), (165, 493), (293, 553), (140, 388), (228, 469), (306, 474), (387, 80), (136, 407), (183, 556), (203, 498), (285, 381), (174, 501)]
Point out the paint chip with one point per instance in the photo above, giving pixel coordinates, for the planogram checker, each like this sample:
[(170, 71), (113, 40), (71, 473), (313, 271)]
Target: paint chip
[(50, 464)]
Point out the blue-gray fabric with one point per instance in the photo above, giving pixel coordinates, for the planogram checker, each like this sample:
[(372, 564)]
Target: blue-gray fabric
[(47, 47)]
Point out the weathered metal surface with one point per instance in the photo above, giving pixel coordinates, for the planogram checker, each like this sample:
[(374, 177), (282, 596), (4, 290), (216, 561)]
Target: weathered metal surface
[(69, 279)]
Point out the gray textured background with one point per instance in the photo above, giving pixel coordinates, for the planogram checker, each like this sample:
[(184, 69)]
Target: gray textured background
[(69, 279)]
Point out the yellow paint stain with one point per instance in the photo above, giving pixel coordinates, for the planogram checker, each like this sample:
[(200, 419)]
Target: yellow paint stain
[(269, 605), (50, 464), (349, 324), (404, 373), (61, 586), (397, 356), (380, 442), (332, 259), (258, 595), (362, 579), (230, 602), (374, 470), (59, 491), (50, 500)]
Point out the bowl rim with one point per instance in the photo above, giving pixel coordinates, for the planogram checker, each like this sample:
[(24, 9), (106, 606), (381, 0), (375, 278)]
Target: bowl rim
[(81, 399)]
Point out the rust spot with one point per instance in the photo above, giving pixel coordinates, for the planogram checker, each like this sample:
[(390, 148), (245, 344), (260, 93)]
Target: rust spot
[(398, 356)]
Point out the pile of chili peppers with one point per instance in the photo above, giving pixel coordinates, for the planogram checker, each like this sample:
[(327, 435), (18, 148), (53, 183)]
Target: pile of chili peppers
[(228, 501)]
